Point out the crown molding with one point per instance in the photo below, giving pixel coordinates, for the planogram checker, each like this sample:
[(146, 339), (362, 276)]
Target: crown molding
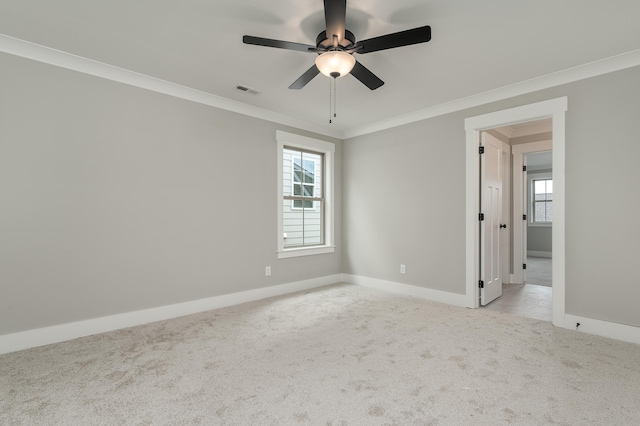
[(36, 52), (570, 75), (47, 55)]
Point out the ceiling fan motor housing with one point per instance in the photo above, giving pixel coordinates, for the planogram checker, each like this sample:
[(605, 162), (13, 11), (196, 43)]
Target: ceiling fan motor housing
[(326, 43)]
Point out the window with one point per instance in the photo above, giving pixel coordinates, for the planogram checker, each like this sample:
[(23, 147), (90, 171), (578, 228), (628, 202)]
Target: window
[(542, 198), (304, 175), (305, 195), (303, 199)]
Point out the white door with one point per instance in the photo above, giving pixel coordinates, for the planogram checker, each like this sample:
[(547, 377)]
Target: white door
[(490, 226)]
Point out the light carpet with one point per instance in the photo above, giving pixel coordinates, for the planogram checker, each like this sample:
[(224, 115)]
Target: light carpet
[(338, 355)]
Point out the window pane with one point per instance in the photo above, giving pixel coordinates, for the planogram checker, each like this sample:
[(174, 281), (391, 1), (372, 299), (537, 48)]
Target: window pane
[(297, 189), (297, 170), (549, 186), (540, 197), (292, 223), (312, 233), (549, 211), (308, 190), (539, 212), (539, 187), (309, 170), (303, 226)]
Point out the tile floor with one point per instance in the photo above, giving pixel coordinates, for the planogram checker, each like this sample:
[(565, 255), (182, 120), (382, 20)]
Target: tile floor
[(527, 300)]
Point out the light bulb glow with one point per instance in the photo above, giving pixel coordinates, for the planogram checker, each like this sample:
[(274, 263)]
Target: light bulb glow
[(335, 62)]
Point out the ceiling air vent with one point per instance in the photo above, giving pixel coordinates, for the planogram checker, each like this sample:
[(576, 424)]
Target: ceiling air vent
[(247, 89)]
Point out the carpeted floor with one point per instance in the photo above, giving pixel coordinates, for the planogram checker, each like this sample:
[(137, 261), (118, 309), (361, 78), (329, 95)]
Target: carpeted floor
[(338, 355)]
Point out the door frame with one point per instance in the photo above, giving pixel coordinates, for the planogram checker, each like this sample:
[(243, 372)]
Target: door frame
[(554, 109), (520, 227)]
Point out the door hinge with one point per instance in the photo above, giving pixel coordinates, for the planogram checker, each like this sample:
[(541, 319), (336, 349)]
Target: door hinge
[(524, 217), (524, 266), (481, 150), (481, 217), (524, 168), (481, 284)]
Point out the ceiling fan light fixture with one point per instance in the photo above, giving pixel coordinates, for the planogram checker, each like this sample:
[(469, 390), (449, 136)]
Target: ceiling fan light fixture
[(335, 62)]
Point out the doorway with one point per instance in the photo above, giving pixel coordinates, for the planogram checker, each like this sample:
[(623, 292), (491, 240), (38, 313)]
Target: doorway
[(555, 110), (528, 291)]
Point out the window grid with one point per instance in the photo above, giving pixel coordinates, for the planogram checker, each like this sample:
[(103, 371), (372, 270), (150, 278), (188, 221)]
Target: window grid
[(542, 199)]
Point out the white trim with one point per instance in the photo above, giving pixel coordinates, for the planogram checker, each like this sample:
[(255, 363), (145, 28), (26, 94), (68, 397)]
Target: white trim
[(72, 62), (612, 330), (581, 72), (305, 251), (554, 108), (60, 333), (328, 149), (407, 290), (36, 52), (535, 253)]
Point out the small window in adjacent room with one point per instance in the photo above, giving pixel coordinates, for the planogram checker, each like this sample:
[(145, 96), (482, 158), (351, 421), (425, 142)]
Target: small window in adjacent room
[(542, 200), (305, 206)]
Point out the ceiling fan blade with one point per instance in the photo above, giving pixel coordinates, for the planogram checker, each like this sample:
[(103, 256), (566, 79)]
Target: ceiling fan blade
[(335, 16), (366, 77), (399, 39), (289, 45), (305, 78)]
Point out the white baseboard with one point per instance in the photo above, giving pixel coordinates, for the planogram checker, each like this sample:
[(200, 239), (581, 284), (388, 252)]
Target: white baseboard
[(534, 253), (407, 290), (60, 333), (612, 330)]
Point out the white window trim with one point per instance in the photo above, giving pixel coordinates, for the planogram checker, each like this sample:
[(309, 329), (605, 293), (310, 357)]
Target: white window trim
[(533, 176), (328, 149)]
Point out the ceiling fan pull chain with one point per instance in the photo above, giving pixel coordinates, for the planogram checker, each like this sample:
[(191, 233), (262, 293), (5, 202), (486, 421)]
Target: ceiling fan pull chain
[(335, 97), (330, 104)]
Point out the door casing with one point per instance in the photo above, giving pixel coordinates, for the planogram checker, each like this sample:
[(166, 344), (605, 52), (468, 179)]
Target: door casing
[(554, 109)]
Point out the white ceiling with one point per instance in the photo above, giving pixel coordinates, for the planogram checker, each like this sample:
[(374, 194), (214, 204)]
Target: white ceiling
[(527, 128), (477, 46), (539, 160)]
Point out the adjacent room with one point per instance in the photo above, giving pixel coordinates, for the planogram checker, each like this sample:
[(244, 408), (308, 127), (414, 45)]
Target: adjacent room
[(321, 212)]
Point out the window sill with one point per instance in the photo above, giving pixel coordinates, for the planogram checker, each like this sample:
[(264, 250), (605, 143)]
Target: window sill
[(305, 251), (540, 225)]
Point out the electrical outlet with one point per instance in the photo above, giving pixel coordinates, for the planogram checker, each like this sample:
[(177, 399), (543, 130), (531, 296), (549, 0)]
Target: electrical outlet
[(403, 269), (267, 271)]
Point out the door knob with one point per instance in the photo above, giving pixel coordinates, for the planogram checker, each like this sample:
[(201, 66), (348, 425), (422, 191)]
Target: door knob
[(504, 225)]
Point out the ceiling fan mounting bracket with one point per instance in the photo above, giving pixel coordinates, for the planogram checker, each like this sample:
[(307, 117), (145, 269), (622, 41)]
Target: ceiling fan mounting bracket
[(325, 43)]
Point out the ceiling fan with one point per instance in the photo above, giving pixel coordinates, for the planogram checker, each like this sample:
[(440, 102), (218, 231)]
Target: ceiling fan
[(336, 45)]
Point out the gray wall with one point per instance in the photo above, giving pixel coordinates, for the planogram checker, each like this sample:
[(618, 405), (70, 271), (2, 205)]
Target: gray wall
[(539, 238), (404, 192), (116, 199), (404, 203)]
